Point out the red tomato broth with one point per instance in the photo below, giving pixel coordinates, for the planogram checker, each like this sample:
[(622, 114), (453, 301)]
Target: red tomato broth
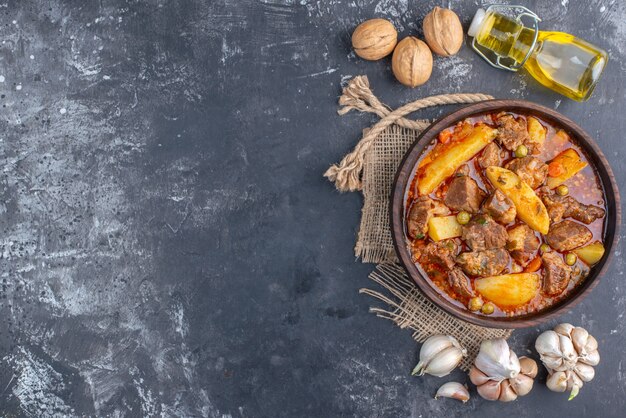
[(585, 187)]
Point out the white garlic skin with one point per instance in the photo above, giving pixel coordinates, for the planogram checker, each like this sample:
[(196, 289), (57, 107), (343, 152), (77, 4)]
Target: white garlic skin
[(564, 329), (444, 362), (585, 372), (496, 360), (591, 359), (521, 384), (489, 390), (557, 382), (528, 367), (439, 355), (507, 394), (453, 390), (547, 344), (477, 377)]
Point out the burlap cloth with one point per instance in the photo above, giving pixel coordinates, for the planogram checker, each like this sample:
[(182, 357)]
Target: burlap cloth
[(371, 168)]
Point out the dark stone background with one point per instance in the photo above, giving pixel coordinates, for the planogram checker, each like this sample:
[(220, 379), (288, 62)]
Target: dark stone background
[(169, 246)]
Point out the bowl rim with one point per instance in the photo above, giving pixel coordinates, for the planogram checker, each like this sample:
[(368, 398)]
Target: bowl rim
[(594, 154)]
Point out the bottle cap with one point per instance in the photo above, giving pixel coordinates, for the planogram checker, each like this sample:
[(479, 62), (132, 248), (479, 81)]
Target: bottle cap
[(476, 23)]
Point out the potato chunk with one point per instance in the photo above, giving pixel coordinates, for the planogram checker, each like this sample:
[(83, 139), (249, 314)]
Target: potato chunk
[(530, 208), (509, 290), (591, 253), (444, 227), (563, 167), (537, 133), (444, 165)]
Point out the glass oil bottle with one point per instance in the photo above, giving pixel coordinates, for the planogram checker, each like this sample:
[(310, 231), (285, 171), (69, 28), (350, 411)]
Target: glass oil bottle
[(560, 61)]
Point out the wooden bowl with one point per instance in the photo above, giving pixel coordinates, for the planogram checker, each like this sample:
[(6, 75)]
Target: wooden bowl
[(594, 155)]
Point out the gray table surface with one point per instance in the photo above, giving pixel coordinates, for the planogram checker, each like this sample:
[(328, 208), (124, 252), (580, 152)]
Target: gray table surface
[(169, 246)]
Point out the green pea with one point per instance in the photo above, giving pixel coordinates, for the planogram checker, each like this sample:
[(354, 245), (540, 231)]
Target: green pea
[(488, 308), (521, 151), (570, 259), (463, 217), (475, 304), (562, 190), (545, 248)]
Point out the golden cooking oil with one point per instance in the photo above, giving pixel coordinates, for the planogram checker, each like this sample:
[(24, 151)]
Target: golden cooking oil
[(560, 61)]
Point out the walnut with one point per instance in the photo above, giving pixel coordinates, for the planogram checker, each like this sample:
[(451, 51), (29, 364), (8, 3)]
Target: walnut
[(443, 31), (412, 62), (374, 39)]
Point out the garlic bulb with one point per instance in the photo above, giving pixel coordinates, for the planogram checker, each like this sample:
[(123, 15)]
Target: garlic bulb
[(499, 375), (453, 390), (569, 353), (439, 355)]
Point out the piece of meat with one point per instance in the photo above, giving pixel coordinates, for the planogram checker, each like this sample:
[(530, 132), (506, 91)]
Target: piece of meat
[(560, 207), (464, 194), (512, 132), (556, 274), (460, 283), (483, 233), (500, 208), (490, 156), (522, 243), (483, 263), (567, 235), (464, 170), (531, 170), (441, 253), (420, 213)]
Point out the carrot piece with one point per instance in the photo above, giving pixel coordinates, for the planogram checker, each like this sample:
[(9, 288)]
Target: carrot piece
[(444, 136), (555, 169), (533, 266)]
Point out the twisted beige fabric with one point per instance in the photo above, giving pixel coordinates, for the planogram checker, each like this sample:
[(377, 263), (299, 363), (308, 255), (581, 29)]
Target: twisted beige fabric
[(371, 167)]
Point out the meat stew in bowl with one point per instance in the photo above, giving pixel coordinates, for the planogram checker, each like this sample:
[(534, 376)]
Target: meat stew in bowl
[(505, 214)]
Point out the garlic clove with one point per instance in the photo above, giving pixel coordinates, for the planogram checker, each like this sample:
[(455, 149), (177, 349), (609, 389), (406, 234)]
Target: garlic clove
[(528, 367), (507, 394), (567, 348), (430, 348), (444, 362), (496, 360), (557, 382), (564, 329), (554, 363), (434, 344), (579, 339), (592, 358), (547, 344), (453, 390), (592, 344), (477, 377), (585, 372), (490, 390), (521, 384)]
